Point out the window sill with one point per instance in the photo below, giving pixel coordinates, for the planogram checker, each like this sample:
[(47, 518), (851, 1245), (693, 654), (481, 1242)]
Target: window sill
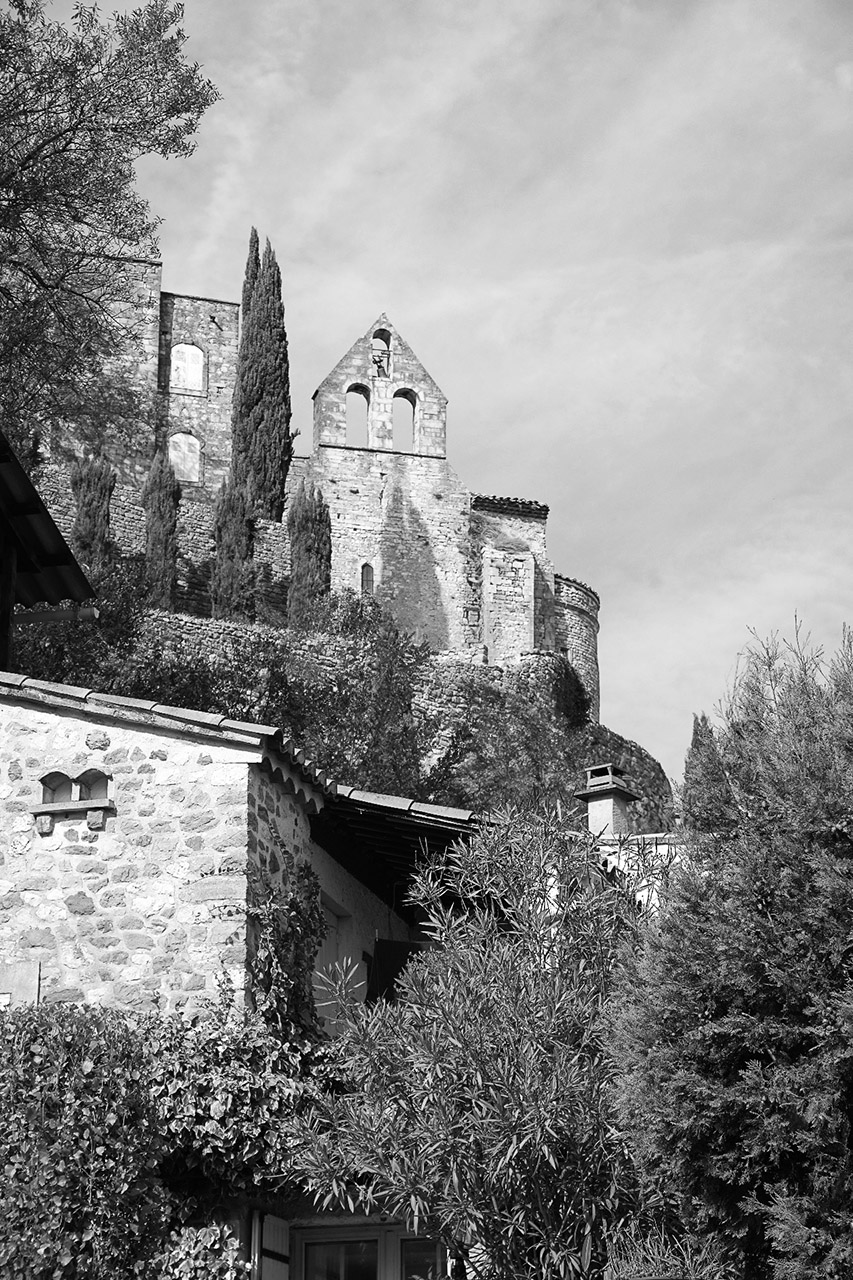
[(94, 811)]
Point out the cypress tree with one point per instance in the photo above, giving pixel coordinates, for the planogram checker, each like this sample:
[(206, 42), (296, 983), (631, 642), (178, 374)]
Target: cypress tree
[(233, 584), (310, 528), (92, 484), (253, 270), (262, 445), (160, 499)]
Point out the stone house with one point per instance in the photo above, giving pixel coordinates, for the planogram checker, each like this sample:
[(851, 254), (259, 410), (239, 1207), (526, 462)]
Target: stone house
[(130, 838)]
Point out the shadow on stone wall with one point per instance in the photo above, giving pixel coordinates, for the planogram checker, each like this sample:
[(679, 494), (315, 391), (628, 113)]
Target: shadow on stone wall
[(193, 593), (409, 587)]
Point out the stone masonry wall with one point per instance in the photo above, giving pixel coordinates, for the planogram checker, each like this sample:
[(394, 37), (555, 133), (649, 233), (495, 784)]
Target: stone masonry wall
[(274, 821), (508, 601), (407, 517), (576, 615), (214, 327), (148, 910), (400, 374)]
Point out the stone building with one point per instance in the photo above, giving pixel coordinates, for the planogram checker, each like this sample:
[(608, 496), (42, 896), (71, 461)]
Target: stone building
[(466, 572), (132, 834)]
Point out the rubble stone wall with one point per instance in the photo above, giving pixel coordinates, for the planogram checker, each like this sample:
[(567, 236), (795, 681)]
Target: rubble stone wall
[(142, 907)]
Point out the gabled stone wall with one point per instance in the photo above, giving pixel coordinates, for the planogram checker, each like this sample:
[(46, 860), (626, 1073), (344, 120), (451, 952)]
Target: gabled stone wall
[(143, 905)]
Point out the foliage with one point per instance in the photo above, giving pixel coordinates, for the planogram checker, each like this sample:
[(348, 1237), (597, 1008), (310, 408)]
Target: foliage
[(250, 278), (310, 528), (78, 108), (509, 742), (201, 1253), (635, 1254), (79, 1146), (118, 1130), (704, 793), (160, 499), (261, 440), (356, 711), (92, 483), (477, 1106), (233, 585), (734, 1024)]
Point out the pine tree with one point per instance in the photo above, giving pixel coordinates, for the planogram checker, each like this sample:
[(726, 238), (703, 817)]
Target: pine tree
[(92, 484), (310, 528), (262, 445), (160, 499), (233, 585), (735, 1023)]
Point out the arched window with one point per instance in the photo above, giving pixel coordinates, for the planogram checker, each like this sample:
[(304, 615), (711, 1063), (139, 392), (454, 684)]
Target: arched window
[(187, 368), (185, 456), (358, 399), (93, 785), (367, 579), (381, 352), (404, 421), (56, 788)]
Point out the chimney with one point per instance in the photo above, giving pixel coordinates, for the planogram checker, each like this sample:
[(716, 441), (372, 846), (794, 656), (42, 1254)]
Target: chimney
[(607, 797)]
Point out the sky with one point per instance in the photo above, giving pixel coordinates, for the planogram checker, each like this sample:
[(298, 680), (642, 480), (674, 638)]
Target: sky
[(619, 235)]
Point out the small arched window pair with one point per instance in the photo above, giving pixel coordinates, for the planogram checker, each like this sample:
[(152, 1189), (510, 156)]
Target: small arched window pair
[(57, 788)]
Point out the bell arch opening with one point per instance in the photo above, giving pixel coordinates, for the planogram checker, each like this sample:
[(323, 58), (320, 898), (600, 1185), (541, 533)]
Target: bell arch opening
[(358, 402), (403, 422)]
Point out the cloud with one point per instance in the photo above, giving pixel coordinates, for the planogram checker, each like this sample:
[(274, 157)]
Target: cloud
[(618, 233)]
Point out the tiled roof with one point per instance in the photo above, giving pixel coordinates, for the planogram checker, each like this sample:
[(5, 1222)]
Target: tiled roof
[(360, 807), (510, 506), (159, 715)]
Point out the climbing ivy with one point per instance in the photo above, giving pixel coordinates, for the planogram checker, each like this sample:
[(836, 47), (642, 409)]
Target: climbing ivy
[(121, 1134)]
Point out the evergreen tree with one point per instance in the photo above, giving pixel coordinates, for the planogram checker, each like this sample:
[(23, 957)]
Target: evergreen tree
[(735, 1024), (160, 499), (92, 484), (705, 795), (253, 270), (233, 584), (310, 528), (262, 445)]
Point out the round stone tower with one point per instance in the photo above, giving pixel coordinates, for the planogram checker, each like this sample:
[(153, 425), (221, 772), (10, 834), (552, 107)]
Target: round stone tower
[(576, 632)]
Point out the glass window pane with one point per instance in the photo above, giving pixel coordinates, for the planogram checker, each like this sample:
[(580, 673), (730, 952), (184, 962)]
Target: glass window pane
[(418, 1260), (342, 1260), (323, 1262)]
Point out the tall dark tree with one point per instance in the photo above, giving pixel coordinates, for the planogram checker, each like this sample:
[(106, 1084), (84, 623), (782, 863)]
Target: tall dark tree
[(310, 528), (250, 279), (92, 483), (233, 584), (262, 445), (79, 105), (735, 1028), (160, 499)]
